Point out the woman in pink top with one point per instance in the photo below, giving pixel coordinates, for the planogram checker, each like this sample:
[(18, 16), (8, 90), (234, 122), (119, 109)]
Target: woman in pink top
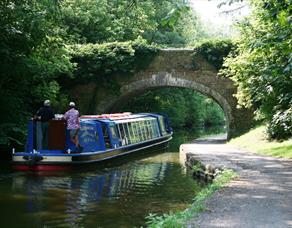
[(73, 125)]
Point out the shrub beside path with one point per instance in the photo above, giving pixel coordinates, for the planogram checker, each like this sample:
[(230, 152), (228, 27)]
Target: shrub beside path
[(260, 197)]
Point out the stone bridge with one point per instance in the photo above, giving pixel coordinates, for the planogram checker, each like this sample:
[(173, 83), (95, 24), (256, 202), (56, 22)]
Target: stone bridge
[(169, 68)]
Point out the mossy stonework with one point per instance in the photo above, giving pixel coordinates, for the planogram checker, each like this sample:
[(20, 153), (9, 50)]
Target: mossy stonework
[(168, 68)]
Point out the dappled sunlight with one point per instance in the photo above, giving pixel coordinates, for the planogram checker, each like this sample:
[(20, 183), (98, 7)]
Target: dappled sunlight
[(256, 141), (263, 188)]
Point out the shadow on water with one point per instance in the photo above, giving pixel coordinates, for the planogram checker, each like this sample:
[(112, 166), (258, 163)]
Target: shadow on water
[(119, 193)]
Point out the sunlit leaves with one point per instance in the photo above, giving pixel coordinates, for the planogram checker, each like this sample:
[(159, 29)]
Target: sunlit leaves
[(101, 21), (228, 2), (174, 15), (214, 51), (262, 68)]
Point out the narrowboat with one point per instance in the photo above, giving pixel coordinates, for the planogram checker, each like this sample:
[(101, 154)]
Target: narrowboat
[(100, 137)]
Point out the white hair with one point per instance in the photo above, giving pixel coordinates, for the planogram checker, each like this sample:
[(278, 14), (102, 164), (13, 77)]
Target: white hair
[(47, 103)]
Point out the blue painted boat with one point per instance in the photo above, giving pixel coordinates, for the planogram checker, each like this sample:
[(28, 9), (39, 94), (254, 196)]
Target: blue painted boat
[(101, 137)]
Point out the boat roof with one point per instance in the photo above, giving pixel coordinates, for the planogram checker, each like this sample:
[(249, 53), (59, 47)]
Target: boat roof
[(119, 117)]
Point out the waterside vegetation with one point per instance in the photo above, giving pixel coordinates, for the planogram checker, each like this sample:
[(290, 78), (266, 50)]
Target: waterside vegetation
[(256, 141), (261, 65), (179, 219)]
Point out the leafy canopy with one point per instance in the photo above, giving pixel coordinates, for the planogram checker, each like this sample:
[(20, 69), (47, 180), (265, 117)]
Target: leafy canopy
[(262, 64)]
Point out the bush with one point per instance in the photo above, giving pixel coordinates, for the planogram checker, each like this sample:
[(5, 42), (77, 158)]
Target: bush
[(281, 125)]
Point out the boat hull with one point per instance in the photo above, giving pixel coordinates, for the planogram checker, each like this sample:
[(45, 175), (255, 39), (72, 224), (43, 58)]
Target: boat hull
[(65, 161)]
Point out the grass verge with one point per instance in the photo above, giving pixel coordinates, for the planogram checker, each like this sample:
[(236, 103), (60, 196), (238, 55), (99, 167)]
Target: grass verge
[(255, 141), (179, 219)]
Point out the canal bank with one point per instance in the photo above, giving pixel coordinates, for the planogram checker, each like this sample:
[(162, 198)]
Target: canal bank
[(260, 197)]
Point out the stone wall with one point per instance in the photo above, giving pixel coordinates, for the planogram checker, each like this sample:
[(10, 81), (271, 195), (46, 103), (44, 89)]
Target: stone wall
[(170, 68)]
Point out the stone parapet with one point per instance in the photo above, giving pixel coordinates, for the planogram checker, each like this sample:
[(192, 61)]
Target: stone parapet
[(169, 68)]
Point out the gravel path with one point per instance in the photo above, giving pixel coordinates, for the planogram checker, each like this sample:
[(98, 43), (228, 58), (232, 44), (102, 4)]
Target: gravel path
[(260, 197)]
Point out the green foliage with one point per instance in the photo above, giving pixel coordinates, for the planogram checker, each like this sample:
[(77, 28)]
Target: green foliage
[(214, 51), (281, 124), (173, 16), (197, 168), (32, 55), (164, 22), (91, 21), (184, 107), (102, 62), (262, 68), (178, 25)]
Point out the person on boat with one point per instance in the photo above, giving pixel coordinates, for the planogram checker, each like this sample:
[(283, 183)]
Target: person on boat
[(43, 115), (73, 124)]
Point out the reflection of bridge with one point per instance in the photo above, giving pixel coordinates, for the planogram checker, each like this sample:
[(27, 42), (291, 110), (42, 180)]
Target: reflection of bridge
[(75, 196), (170, 68)]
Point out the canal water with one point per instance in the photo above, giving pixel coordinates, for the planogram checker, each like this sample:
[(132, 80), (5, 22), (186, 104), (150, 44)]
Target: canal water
[(117, 194)]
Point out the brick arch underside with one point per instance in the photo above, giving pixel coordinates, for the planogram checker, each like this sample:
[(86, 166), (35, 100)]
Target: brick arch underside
[(138, 87)]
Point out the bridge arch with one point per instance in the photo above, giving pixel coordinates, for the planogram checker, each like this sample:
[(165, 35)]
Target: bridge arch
[(167, 80), (169, 68)]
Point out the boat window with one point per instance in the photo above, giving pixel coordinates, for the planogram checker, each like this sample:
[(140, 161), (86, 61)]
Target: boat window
[(144, 126), (133, 132), (138, 125), (138, 138), (105, 135), (151, 129), (128, 135), (119, 131), (149, 132), (113, 131), (162, 125), (123, 126), (136, 133), (141, 131), (155, 128), (146, 129), (121, 134)]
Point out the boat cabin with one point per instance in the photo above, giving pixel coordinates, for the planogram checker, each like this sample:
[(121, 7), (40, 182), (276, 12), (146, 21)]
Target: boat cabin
[(102, 132)]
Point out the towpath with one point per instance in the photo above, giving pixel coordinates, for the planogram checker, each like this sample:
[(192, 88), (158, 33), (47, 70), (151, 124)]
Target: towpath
[(261, 197)]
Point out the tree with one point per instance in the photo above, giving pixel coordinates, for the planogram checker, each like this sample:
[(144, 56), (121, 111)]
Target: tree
[(165, 22), (32, 55), (261, 66), (91, 21), (185, 108)]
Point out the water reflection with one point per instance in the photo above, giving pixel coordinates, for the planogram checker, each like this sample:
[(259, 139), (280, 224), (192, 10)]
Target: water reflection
[(109, 197), (118, 195)]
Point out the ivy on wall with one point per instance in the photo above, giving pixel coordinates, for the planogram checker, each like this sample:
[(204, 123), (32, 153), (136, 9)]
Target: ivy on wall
[(214, 51), (101, 63)]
